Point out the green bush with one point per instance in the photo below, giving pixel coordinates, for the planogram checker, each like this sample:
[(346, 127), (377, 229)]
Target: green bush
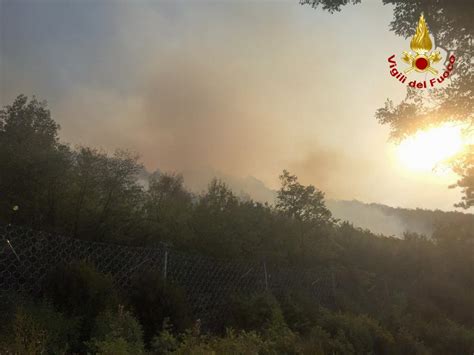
[(153, 301), (165, 342), (318, 341), (447, 337), (232, 343), (301, 313), (362, 332), (257, 312), (273, 342), (407, 344), (279, 339), (114, 346), (35, 328), (78, 290), (116, 333)]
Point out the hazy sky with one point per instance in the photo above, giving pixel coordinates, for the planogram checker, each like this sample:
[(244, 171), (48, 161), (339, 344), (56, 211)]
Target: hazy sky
[(245, 88)]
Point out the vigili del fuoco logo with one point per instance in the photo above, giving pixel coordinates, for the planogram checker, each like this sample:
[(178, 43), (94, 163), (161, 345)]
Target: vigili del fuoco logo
[(421, 60)]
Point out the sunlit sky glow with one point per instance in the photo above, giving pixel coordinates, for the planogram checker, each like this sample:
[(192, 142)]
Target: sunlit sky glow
[(248, 88), (430, 148)]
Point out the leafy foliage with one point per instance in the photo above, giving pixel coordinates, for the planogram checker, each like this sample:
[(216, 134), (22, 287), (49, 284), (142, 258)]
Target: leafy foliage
[(33, 162), (78, 289), (329, 5), (30, 327), (254, 312), (80, 292), (116, 333), (156, 302), (168, 207), (304, 203)]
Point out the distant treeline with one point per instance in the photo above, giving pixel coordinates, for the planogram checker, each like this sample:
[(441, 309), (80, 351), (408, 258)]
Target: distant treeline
[(421, 291)]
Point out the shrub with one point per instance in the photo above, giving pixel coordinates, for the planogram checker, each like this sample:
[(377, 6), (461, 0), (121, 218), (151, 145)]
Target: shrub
[(301, 313), (153, 301), (237, 343), (232, 343), (165, 342), (318, 341), (116, 333), (35, 328), (78, 290), (407, 344), (113, 346), (255, 312), (281, 340), (364, 333), (447, 337)]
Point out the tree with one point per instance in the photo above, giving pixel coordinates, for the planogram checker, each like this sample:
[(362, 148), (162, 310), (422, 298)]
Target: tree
[(304, 203), (304, 206), (464, 167), (450, 22), (83, 192), (84, 186), (329, 5), (214, 220), (168, 208), (120, 195), (33, 162)]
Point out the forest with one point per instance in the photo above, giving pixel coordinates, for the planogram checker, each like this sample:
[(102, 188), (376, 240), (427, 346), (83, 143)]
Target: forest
[(412, 295)]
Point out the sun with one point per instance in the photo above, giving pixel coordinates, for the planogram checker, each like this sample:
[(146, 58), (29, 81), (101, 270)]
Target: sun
[(424, 151)]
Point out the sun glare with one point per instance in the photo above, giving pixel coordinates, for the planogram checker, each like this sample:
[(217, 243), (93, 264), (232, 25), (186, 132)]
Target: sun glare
[(427, 149)]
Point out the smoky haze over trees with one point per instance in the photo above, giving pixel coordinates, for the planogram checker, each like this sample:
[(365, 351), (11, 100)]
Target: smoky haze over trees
[(416, 292), (258, 87), (410, 295)]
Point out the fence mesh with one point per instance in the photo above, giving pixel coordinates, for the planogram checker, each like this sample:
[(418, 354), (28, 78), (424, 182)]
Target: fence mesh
[(26, 257)]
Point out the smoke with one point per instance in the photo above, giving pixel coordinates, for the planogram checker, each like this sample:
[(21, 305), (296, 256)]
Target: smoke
[(203, 117), (333, 172), (376, 219), (244, 88)]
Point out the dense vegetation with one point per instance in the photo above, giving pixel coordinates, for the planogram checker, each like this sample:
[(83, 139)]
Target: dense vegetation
[(412, 295)]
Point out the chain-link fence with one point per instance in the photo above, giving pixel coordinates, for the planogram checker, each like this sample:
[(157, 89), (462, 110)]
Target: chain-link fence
[(26, 256)]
